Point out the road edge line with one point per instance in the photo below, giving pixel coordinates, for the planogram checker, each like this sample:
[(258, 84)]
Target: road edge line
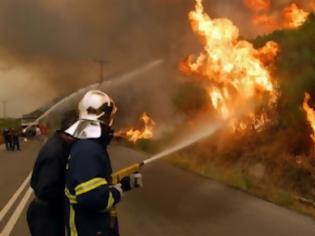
[(17, 213), (14, 197)]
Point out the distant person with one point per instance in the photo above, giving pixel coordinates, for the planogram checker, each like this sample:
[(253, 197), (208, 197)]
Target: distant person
[(6, 139), (10, 139), (15, 140), (45, 215)]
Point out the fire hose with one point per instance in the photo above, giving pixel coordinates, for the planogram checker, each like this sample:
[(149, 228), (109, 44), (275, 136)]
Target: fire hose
[(120, 174), (134, 168)]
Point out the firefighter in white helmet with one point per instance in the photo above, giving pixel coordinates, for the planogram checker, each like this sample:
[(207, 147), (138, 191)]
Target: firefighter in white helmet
[(90, 196)]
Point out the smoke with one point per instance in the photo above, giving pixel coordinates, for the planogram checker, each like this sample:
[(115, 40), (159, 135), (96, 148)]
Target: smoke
[(54, 43), (49, 47)]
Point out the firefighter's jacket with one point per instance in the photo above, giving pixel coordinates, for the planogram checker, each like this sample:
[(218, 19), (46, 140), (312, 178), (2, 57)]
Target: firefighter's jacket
[(90, 196), (45, 214), (48, 177)]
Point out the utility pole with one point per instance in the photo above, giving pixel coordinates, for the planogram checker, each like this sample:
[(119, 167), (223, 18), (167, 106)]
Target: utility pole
[(101, 62), (4, 106)]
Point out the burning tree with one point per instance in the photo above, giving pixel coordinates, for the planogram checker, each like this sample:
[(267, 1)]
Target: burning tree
[(234, 72)]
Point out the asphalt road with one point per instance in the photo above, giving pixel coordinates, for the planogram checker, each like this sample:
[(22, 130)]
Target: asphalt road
[(173, 202)]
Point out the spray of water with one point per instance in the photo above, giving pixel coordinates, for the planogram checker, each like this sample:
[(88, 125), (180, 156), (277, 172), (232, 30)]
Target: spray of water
[(126, 77), (204, 131)]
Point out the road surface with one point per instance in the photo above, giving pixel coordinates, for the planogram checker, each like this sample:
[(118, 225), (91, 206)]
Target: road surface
[(172, 203)]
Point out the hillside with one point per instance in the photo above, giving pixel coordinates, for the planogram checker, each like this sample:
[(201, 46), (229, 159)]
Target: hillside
[(278, 162)]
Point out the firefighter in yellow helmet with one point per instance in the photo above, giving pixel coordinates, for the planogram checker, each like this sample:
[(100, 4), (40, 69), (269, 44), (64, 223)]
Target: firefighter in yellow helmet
[(90, 196)]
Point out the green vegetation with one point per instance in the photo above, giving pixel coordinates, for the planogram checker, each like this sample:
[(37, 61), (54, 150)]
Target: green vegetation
[(295, 70), (9, 123)]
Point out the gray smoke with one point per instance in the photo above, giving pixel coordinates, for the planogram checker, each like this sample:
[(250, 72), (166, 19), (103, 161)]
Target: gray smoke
[(54, 43)]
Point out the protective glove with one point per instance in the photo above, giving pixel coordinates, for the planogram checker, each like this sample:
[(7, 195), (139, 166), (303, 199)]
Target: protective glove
[(131, 182)]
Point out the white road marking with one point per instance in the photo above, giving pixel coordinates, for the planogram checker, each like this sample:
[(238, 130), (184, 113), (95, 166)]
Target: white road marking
[(13, 199), (17, 213)]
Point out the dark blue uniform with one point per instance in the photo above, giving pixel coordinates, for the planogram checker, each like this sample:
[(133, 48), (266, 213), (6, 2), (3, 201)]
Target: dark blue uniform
[(45, 214), (90, 197)]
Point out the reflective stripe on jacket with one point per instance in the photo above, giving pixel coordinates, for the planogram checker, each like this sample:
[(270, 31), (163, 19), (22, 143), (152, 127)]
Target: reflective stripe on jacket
[(90, 196)]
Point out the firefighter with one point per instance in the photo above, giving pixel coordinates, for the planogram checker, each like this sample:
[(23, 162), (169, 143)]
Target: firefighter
[(91, 197), (45, 215)]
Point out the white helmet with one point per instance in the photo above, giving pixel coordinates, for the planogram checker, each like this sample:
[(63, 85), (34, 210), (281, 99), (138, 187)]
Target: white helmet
[(92, 107), (95, 104)]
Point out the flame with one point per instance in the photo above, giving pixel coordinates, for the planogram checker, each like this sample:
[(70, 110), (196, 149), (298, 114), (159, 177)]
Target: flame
[(257, 5), (233, 69), (268, 53), (293, 16), (254, 121), (133, 135), (310, 114), (290, 17)]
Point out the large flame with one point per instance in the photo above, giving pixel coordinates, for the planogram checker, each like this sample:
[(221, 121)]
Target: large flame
[(310, 114), (133, 135), (233, 68), (293, 16)]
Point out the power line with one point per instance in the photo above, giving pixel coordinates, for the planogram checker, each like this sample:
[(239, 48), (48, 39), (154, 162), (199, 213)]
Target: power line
[(101, 63)]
